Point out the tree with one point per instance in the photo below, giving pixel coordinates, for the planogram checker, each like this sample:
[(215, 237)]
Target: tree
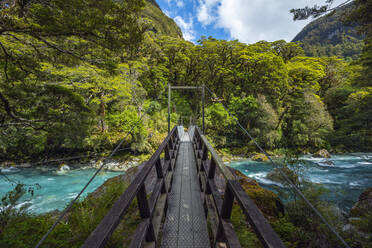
[(42, 43)]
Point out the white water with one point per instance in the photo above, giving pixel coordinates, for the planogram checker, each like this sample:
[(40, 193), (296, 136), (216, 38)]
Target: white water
[(58, 188), (345, 176), (346, 179)]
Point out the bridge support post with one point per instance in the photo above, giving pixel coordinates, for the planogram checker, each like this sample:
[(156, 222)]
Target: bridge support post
[(169, 103), (203, 103)]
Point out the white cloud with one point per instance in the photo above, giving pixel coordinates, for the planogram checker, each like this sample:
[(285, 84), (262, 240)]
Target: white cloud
[(254, 20), (179, 3), (206, 11), (186, 27)]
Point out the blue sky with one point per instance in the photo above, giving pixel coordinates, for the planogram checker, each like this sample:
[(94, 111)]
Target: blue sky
[(246, 20)]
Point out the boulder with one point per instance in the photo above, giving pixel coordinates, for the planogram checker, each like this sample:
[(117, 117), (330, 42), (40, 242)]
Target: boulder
[(328, 162), (260, 157), (63, 167), (267, 201), (363, 204), (323, 153)]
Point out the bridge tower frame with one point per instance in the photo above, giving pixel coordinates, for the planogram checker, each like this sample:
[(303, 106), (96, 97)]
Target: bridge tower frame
[(170, 87)]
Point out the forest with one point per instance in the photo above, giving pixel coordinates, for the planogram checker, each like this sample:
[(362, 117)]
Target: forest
[(77, 88), (75, 76)]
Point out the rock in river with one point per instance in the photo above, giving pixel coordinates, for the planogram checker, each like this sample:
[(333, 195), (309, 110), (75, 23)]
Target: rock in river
[(260, 157), (323, 153)]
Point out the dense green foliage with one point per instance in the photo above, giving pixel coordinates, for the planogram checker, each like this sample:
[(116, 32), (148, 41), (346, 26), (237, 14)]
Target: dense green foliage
[(78, 88)]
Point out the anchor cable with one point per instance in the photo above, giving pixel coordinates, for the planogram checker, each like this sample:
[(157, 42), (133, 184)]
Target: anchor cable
[(296, 189), (66, 210)]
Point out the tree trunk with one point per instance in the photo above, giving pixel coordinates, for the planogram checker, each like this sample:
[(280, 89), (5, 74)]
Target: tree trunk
[(102, 112)]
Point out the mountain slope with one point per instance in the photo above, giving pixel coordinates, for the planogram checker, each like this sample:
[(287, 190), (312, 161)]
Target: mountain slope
[(327, 36), (160, 23)]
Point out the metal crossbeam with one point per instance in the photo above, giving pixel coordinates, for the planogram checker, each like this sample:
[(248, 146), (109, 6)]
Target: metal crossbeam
[(202, 88), (186, 87)]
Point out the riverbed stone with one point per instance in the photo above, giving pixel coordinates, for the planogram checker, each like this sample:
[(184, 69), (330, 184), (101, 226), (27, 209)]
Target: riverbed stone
[(323, 153), (328, 162)]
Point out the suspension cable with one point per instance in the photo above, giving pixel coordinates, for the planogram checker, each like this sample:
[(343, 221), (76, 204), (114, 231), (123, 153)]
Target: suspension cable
[(296, 189), (66, 210)]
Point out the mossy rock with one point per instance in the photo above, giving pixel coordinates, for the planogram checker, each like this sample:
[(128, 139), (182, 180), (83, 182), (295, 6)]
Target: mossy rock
[(260, 157), (323, 153), (363, 204), (267, 201)]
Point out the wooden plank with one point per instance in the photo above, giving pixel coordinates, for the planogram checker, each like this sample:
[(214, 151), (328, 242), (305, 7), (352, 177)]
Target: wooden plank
[(231, 239), (138, 240), (212, 214), (103, 231), (262, 228), (155, 194), (159, 168), (185, 224), (158, 213), (145, 213), (228, 201), (168, 180), (224, 170), (167, 166), (205, 165), (202, 181), (211, 169), (216, 195)]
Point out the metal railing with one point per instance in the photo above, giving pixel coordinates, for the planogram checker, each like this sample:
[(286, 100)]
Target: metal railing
[(219, 208)]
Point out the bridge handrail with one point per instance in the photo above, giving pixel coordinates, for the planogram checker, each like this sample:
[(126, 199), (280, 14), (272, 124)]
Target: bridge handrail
[(145, 231), (222, 207)]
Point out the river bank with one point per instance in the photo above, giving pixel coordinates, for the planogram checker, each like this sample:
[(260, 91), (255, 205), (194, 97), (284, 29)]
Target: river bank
[(344, 176)]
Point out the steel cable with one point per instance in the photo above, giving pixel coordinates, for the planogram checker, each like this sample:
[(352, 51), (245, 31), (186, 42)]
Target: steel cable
[(66, 210), (296, 189)]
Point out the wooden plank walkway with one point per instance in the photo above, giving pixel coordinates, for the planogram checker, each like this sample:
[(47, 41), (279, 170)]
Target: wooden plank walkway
[(185, 224)]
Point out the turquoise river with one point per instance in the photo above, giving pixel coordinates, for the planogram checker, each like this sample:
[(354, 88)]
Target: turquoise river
[(345, 177)]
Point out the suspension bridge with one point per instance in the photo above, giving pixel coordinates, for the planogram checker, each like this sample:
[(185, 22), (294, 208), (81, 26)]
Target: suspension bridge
[(184, 199), (183, 207)]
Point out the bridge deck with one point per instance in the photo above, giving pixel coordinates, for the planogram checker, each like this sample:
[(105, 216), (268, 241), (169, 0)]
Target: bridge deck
[(185, 224)]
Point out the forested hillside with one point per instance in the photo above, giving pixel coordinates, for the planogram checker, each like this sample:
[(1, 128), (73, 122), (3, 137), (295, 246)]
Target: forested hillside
[(74, 82), (329, 36), (159, 22)]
